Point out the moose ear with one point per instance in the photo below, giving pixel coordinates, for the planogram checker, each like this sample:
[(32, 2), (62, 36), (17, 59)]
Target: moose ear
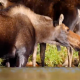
[(4, 3), (61, 18), (79, 13)]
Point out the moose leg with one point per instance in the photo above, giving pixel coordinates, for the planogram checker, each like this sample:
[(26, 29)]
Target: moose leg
[(7, 64), (79, 56), (43, 48), (58, 47), (42, 53), (34, 55), (21, 58), (70, 54)]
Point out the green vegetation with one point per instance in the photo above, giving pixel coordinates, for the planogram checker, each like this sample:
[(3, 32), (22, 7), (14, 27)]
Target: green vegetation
[(0, 61), (53, 57)]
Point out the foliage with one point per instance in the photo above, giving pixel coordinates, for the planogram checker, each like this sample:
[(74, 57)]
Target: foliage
[(1, 60), (53, 57)]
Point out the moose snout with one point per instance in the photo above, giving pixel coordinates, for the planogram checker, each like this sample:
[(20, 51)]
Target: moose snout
[(74, 40)]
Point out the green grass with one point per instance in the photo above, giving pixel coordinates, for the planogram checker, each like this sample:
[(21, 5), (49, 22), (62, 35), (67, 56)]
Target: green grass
[(53, 57), (1, 61)]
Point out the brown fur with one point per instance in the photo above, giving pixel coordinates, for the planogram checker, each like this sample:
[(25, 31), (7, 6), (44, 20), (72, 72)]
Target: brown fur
[(16, 31)]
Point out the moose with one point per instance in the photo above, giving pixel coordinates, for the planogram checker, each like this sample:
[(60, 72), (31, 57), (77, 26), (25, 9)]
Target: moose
[(53, 9), (21, 29), (54, 12)]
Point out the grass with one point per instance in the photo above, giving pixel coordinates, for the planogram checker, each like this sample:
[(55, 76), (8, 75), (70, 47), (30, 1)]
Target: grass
[(1, 61), (53, 57)]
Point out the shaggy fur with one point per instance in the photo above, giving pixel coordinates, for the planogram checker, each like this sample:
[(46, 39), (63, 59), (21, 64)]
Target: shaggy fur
[(16, 32)]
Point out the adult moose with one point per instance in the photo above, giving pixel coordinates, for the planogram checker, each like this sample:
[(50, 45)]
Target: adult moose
[(22, 31), (53, 8)]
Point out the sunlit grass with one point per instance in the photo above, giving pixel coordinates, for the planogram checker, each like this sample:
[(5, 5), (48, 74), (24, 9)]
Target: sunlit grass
[(53, 57)]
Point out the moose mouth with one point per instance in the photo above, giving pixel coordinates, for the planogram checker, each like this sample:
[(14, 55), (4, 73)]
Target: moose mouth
[(75, 48), (66, 44)]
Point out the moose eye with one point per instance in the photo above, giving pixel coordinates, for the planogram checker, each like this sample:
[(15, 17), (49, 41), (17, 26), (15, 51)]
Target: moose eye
[(67, 29)]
